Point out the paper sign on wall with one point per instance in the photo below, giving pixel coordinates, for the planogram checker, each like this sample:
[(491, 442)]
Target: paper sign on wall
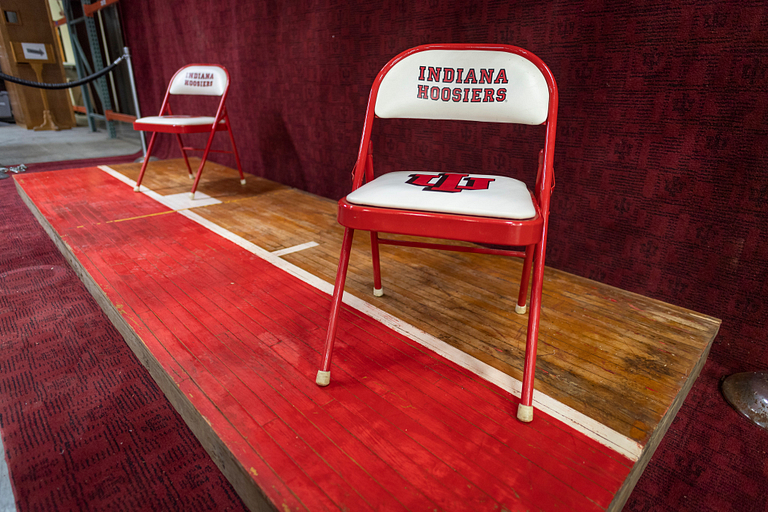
[(34, 51)]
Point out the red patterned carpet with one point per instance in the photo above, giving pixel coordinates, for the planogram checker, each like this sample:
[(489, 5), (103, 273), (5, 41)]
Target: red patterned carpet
[(85, 427)]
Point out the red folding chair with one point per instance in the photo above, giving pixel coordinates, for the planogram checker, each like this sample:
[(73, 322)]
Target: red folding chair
[(469, 82), (192, 80)]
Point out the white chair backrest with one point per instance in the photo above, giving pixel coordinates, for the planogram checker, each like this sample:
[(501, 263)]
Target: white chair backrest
[(468, 85), (200, 81)]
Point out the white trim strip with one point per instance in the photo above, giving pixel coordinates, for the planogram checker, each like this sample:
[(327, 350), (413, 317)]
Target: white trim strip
[(117, 175), (571, 417), (175, 202), (182, 201), (295, 248)]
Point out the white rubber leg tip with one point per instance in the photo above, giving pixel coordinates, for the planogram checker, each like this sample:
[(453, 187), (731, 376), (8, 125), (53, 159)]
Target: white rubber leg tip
[(525, 413), (135, 189), (242, 181), (520, 310), (323, 378), (191, 195), (191, 177), (378, 292)]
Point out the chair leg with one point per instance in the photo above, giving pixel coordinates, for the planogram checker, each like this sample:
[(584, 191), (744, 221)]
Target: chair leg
[(146, 162), (525, 408), (520, 307), (324, 374), (378, 291), (202, 163), (237, 156), (184, 154)]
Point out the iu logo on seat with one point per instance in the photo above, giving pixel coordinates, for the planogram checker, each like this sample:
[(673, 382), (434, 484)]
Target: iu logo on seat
[(449, 182)]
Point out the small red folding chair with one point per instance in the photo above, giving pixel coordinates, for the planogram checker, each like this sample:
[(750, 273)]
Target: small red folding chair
[(468, 82), (192, 80)]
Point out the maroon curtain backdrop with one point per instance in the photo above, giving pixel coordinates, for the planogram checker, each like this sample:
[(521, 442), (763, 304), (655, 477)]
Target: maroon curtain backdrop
[(661, 163), (661, 166), (661, 159)]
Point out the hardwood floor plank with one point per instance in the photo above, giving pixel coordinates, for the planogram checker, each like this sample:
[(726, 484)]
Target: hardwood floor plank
[(594, 364), (196, 381), (235, 342), (202, 326), (299, 328), (321, 318)]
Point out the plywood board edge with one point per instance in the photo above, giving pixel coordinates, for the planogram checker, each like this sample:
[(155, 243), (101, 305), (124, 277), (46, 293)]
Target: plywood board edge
[(620, 499), (238, 476)]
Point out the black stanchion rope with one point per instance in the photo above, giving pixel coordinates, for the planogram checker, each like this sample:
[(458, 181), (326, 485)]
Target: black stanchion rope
[(76, 83)]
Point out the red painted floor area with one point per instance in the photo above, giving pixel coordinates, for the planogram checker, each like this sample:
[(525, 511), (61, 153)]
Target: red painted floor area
[(399, 428)]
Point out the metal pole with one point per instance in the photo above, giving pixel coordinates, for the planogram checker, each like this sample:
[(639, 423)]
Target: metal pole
[(109, 59), (101, 83), (127, 54), (80, 65)]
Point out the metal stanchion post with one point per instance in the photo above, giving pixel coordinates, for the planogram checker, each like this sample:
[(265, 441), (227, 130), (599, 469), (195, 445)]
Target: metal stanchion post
[(127, 54)]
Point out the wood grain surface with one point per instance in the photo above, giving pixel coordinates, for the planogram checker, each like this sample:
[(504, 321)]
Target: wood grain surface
[(618, 357), (248, 340)]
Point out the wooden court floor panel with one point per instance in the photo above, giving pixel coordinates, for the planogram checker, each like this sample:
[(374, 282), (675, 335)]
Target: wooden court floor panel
[(235, 343), (617, 357)]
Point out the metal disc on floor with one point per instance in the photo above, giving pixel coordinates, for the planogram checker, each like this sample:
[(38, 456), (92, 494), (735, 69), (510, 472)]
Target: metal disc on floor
[(748, 394)]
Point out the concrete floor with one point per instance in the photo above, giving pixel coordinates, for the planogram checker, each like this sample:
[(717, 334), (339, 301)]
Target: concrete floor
[(21, 146)]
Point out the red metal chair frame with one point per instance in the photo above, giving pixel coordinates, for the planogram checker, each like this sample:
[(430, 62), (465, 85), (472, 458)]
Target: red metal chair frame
[(530, 233), (220, 123)]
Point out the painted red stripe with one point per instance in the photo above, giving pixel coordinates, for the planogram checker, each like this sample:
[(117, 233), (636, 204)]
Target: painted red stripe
[(621, 463), (294, 377), (608, 499), (190, 319), (188, 313), (398, 428), (245, 334), (597, 446), (624, 469), (279, 492), (228, 411), (278, 488), (85, 197)]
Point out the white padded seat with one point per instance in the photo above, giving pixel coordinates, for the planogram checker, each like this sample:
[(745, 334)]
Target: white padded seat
[(473, 194), (181, 120), (192, 80)]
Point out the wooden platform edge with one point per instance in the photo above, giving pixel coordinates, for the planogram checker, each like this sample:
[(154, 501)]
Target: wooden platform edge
[(234, 472), (621, 497)]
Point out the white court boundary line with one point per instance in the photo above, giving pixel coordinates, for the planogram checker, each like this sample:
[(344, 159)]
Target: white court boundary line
[(295, 248), (571, 417)]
